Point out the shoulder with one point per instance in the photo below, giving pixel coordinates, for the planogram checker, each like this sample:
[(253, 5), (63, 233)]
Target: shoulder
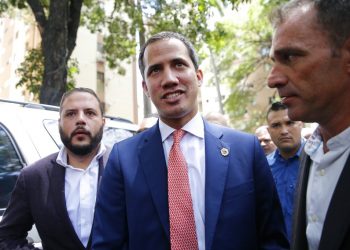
[(271, 158), (229, 134), (40, 165), (135, 141)]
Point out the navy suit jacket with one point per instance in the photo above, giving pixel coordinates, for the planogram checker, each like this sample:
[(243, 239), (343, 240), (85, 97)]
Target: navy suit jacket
[(242, 209), (38, 198)]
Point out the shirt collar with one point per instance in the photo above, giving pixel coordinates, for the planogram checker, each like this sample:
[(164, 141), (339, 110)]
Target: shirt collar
[(277, 153), (339, 141), (195, 127), (62, 156)]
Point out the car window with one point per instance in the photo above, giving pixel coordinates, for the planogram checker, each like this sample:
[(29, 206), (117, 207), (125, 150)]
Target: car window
[(52, 128), (112, 135), (10, 166)]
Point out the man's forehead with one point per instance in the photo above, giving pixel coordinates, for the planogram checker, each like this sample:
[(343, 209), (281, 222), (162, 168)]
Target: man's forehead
[(166, 47), (295, 27), (80, 100)]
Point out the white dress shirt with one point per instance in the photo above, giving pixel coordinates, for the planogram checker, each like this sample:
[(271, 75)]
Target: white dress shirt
[(80, 188), (193, 148), (324, 175)]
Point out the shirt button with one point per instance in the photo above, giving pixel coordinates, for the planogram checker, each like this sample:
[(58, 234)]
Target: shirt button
[(322, 172)]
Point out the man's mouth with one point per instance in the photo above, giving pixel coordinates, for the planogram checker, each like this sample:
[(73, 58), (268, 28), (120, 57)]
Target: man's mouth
[(80, 132), (172, 95)]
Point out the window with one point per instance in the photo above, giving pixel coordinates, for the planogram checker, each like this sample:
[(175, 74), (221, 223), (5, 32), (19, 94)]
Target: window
[(10, 166)]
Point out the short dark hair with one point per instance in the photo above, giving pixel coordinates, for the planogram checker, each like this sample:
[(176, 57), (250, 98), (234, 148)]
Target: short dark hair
[(163, 36), (276, 106), (83, 90), (332, 15)]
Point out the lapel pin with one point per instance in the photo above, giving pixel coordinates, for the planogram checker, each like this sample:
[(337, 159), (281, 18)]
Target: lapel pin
[(224, 152)]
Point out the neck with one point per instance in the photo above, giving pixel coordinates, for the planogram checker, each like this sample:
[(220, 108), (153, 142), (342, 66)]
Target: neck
[(81, 161), (336, 122), (288, 154)]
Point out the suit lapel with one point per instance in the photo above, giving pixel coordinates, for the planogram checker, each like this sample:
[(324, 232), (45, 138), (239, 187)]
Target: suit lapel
[(338, 217), (216, 166), (154, 166), (57, 180), (299, 240)]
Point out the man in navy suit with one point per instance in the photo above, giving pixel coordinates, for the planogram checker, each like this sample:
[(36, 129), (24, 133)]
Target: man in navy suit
[(234, 201), (58, 192)]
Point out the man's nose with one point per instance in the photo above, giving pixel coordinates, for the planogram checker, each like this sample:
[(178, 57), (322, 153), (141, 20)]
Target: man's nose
[(81, 118), (276, 77), (284, 129), (170, 78)]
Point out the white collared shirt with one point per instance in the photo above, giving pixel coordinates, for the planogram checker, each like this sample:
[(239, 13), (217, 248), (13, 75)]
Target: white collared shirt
[(193, 148), (324, 175), (80, 188)]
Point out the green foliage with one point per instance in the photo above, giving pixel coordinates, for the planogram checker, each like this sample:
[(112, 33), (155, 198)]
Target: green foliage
[(146, 18), (31, 72), (240, 50)]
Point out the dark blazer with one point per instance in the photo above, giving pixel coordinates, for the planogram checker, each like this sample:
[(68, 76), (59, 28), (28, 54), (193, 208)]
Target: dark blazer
[(242, 209), (336, 230), (38, 198)]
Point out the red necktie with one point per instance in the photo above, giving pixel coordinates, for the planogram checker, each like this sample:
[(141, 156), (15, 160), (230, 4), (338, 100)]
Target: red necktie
[(182, 226)]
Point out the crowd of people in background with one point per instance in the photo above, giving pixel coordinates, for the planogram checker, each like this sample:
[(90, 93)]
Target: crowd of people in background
[(187, 181)]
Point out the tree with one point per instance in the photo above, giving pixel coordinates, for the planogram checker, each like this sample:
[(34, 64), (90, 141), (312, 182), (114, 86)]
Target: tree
[(242, 51), (31, 72), (144, 18), (58, 22)]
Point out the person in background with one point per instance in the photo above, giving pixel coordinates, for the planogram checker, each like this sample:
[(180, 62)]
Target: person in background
[(217, 118), (284, 161), (185, 183), (58, 192), (311, 71), (265, 139)]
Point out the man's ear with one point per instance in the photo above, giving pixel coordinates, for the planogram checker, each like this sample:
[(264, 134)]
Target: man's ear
[(145, 89), (199, 74), (347, 55)]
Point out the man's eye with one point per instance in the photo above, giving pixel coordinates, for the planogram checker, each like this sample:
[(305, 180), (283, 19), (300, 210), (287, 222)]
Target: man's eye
[(290, 123), (154, 71), (179, 65), (90, 113), (287, 57)]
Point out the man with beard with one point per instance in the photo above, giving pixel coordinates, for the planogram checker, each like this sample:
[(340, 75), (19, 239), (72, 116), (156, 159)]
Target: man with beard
[(58, 193)]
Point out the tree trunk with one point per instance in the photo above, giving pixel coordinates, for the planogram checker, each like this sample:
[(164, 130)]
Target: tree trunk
[(147, 108), (55, 51)]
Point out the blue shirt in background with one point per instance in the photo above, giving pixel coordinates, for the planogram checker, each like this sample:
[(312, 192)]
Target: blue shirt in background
[(285, 173)]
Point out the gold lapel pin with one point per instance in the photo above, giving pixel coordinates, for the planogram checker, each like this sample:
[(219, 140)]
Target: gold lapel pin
[(224, 152)]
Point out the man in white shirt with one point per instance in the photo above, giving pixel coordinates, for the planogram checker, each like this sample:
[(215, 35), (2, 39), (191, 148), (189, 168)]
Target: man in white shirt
[(185, 183), (311, 71), (58, 192)]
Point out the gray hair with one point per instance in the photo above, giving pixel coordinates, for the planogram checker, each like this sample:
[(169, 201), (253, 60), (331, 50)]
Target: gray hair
[(332, 15)]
